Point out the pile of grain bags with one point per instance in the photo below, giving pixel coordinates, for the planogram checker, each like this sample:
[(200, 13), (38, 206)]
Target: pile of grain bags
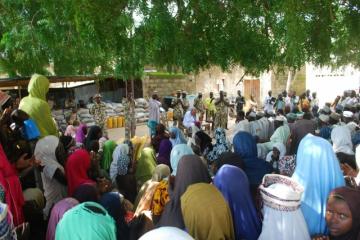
[(85, 117), (141, 110), (60, 119)]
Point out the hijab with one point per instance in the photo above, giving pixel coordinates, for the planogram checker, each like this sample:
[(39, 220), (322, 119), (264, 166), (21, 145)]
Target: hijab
[(281, 199), (176, 154), (107, 157), (161, 172), (76, 168), (112, 203), (179, 136), (232, 182), (86, 193), (57, 213), (280, 147), (81, 133), (220, 146), (88, 221), (318, 171), (190, 170), (205, 141), (93, 135), (352, 198), (230, 158), (245, 147), (165, 233), (120, 161), (341, 138), (11, 184), (164, 152), (206, 213), (145, 166)]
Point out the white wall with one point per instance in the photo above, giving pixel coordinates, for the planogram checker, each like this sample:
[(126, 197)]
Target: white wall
[(328, 83)]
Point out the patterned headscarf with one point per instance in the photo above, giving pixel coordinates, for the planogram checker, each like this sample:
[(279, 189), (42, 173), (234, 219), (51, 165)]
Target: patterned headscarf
[(2, 194), (220, 146), (121, 160)]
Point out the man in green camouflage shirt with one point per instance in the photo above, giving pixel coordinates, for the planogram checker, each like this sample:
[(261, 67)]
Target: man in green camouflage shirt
[(176, 104), (98, 111), (200, 107)]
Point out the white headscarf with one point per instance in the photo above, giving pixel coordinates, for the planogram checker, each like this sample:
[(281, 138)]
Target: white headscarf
[(194, 130), (164, 233), (341, 139), (45, 151), (279, 146), (283, 218)]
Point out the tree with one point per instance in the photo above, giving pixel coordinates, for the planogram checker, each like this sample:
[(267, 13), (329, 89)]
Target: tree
[(119, 37)]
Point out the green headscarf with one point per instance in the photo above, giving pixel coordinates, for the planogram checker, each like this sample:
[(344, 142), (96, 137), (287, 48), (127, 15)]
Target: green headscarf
[(38, 86), (89, 221), (108, 149), (145, 166), (36, 106)]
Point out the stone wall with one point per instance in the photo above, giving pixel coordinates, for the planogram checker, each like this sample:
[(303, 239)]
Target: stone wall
[(279, 80), (167, 86)]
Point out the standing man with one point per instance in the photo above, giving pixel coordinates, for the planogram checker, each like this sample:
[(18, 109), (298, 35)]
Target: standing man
[(154, 113), (130, 120), (199, 106), (177, 105), (221, 117), (98, 111), (210, 109), (240, 102), (185, 102), (269, 103)]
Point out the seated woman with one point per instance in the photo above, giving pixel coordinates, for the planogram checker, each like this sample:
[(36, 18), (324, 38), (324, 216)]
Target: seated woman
[(53, 173), (89, 221), (205, 212), (76, 168), (176, 136), (343, 213)]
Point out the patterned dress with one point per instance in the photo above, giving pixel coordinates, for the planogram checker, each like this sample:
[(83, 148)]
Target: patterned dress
[(130, 120), (98, 111)]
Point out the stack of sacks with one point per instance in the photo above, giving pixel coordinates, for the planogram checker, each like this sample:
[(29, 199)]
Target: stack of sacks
[(85, 117), (141, 110), (60, 119)]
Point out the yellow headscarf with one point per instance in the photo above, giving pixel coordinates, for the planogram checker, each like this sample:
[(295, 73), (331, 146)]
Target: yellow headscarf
[(38, 86), (206, 214)]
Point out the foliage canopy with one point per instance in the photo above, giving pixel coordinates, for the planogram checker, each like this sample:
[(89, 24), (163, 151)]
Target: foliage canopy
[(120, 37)]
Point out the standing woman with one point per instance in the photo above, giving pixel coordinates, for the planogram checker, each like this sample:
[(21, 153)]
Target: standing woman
[(77, 167), (37, 107), (318, 171)]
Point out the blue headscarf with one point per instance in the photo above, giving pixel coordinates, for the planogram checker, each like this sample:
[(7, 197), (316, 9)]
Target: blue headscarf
[(220, 146), (318, 171), (177, 153), (112, 203), (234, 186), (179, 136), (245, 147)]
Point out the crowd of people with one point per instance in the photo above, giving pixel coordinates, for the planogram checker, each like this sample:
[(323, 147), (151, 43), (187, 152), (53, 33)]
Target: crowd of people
[(288, 172)]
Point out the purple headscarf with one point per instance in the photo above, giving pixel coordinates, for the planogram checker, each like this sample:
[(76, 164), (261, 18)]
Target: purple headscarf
[(81, 133), (164, 152), (57, 213)]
